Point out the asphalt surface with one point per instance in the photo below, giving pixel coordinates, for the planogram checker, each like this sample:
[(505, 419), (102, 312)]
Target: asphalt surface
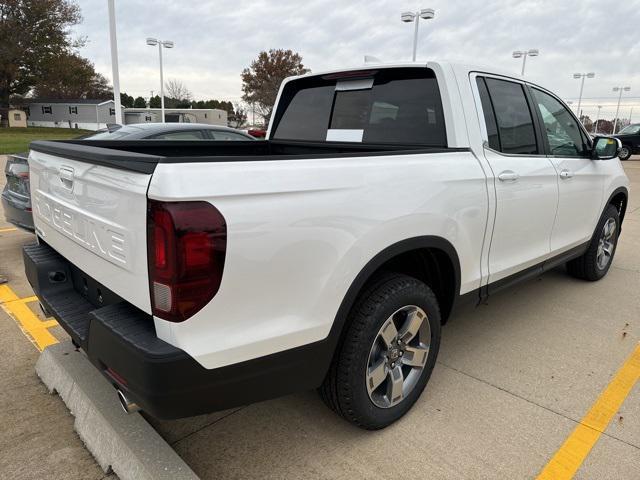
[(514, 379)]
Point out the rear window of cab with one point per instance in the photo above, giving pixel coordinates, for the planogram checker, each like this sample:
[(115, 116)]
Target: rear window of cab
[(388, 106)]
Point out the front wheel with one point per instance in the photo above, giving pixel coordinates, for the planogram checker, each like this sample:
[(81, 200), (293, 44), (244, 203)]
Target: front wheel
[(625, 153), (596, 261), (387, 354)]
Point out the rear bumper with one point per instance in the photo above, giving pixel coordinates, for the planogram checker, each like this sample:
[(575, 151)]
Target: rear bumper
[(163, 380)]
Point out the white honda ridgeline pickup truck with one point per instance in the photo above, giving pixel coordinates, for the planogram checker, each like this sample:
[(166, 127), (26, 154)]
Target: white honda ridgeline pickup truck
[(198, 276)]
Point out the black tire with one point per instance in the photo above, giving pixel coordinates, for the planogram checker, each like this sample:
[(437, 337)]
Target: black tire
[(587, 266), (625, 153), (345, 388)]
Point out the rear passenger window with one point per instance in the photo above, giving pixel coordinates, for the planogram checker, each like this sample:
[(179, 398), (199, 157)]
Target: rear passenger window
[(513, 117), (393, 106)]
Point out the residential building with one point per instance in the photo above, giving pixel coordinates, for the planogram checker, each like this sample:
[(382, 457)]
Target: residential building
[(12, 117), (210, 116), (96, 114), (75, 113)]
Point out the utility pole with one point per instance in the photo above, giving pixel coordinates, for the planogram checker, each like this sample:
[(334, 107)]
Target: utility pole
[(161, 44), (114, 60), (408, 17), (533, 52), (620, 89), (595, 128), (582, 76)]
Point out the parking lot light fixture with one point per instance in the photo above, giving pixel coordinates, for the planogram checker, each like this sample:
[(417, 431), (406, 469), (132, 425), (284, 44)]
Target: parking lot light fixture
[(618, 89), (161, 44), (533, 52), (582, 76), (408, 17), (595, 127)]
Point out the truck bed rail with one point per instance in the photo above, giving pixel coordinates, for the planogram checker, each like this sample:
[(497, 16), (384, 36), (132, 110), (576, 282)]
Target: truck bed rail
[(144, 155)]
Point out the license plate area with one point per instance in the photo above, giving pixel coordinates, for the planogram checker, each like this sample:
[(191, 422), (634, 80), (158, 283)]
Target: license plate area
[(95, 293)]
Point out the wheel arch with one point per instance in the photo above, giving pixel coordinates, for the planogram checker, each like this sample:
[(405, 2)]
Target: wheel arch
[(619, 198), (441, 250)]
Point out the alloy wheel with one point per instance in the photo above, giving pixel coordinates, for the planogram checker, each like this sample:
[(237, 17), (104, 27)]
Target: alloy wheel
[(606, 244), (624, 152), (398, 356)]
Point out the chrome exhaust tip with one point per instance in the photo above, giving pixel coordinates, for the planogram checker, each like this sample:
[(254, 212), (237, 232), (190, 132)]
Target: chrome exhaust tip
[(127, 405)]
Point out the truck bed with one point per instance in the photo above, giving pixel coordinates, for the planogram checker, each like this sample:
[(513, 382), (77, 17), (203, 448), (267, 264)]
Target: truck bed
[(143, 155)]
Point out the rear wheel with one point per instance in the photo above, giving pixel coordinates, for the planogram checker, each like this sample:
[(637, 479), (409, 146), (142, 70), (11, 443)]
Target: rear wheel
[(387, 354), (596, 261), (625, 153)]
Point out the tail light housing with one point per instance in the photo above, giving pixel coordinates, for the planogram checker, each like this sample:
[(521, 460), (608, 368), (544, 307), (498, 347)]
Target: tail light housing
[(186, 245)]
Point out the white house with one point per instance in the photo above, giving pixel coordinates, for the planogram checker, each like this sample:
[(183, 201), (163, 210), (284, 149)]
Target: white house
[(75, 113), (211, 116)]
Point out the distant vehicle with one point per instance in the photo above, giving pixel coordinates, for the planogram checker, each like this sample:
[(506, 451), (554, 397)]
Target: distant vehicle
[(16, 199), (257, 132), (170, 131), (630, 138)]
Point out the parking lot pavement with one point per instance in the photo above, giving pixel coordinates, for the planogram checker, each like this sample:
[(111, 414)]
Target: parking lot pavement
[(520, 383), (37, 439)]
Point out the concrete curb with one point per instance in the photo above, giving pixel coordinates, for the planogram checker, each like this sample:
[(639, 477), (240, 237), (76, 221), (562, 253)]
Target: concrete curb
[(124, 442)]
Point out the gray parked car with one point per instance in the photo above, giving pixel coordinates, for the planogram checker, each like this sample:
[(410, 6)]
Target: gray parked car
[(16, 199), (170, 131)]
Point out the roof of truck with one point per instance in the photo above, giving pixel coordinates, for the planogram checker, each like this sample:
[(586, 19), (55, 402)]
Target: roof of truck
[(458, 67), (429, 64)]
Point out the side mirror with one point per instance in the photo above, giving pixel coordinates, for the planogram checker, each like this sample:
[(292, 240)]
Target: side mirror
[(605, 148)]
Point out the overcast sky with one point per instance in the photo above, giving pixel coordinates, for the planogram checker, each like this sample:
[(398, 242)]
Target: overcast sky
[(215, 40)]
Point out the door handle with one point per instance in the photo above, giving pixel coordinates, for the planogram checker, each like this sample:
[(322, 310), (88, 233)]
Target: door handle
[(508, 176), (566, 174)]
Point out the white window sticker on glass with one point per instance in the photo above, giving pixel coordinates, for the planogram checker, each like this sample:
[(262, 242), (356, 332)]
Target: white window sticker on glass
[(345, 135)]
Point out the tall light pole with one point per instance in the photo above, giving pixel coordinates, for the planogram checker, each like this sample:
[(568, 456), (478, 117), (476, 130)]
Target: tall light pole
[(618, 89), (408, 17), (534, 52), (114, 60), (595, 128), (582, 76), (166, 44)]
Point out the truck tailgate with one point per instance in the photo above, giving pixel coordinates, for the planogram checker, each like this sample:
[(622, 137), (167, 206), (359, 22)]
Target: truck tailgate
[(94, 216)]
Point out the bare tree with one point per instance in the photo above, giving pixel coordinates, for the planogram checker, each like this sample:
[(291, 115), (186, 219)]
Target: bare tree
[(177, 90), (238, 117)]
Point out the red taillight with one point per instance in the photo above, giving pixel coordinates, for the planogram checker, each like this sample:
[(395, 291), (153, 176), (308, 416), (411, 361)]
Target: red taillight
[(186, 249)]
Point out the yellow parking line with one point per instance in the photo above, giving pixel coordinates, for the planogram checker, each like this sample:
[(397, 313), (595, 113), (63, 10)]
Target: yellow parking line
[(35, 329), (567, 460), (8, 229), (28, 299)]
